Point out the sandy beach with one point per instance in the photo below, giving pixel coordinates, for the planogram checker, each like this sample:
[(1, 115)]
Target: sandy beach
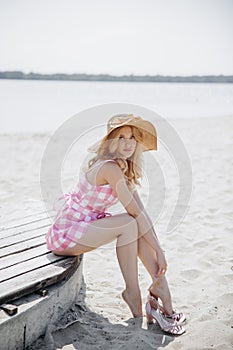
[(198, 251)]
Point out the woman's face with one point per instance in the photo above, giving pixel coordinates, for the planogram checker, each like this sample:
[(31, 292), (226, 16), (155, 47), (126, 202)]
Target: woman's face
[(126, 142)]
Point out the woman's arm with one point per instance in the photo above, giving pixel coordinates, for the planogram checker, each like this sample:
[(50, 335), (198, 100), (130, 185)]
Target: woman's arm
[(144, 220), (113, 175), (151, 237), (133, 205)]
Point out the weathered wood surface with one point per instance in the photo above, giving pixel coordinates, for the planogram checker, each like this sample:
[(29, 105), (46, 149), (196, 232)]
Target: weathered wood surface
[(26, 265)]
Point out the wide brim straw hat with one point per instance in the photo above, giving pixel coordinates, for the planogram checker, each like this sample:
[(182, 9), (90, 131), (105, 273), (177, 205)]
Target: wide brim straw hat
[(147, 129)]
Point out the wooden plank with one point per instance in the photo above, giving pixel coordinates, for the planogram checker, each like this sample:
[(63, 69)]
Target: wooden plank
[(14, 259), (29, 265), (25, 236), (23, 222), (22, 246), (29, 218), (30, 226), (34, 280)]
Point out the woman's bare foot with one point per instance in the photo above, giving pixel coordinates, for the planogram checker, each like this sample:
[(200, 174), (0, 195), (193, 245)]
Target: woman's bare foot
[(134, 303), (160, 289)]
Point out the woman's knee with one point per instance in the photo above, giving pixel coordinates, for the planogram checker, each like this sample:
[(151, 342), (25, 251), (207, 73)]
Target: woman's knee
[(130, 226)]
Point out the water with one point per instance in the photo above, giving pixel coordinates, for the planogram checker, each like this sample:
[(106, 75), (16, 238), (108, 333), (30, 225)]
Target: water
[(42, 106)]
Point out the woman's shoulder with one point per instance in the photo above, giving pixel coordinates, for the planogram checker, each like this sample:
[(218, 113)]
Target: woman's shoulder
[(112, 171), (105, 162), (102, 172), (104, 166), (109, 165)]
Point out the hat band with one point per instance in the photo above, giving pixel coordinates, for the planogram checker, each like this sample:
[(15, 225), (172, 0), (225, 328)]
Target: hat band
[(121, 120)]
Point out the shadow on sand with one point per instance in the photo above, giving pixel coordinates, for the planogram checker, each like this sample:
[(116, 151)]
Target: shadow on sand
[(83, 329)]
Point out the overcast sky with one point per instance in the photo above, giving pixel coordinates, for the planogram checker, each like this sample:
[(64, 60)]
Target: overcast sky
[(175, 37)]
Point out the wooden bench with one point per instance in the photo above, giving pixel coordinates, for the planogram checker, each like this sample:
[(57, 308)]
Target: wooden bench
[(26, 265), (36, 286)]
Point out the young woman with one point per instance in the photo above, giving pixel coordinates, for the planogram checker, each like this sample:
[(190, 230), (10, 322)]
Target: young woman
[(83, 223)]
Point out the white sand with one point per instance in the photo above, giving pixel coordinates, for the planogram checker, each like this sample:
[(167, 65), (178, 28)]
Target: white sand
[(199, 251)]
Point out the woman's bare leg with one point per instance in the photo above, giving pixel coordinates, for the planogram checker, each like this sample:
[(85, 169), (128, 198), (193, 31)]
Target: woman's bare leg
[(160, 286), (124, 229), (127, 257)]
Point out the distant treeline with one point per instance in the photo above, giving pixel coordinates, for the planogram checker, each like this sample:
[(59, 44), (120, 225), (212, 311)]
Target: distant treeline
[(122, 78)]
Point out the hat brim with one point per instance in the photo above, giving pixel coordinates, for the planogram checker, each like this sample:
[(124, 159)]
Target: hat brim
[(149, 135)]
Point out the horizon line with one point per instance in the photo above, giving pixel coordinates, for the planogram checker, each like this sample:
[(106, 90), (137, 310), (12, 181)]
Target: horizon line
[(20, 75), (119, 75)]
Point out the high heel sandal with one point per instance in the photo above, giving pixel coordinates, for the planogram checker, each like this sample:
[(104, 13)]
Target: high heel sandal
[(178, 317), (166, 326)]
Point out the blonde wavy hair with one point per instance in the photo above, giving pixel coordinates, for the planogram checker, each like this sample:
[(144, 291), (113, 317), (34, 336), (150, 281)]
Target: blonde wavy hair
[(131, 167)]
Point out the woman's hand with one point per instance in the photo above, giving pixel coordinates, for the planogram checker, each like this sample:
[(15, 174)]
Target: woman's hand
[(162, 263)]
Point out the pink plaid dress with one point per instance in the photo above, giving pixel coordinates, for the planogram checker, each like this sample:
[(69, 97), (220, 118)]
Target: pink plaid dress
[(85, 204)]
